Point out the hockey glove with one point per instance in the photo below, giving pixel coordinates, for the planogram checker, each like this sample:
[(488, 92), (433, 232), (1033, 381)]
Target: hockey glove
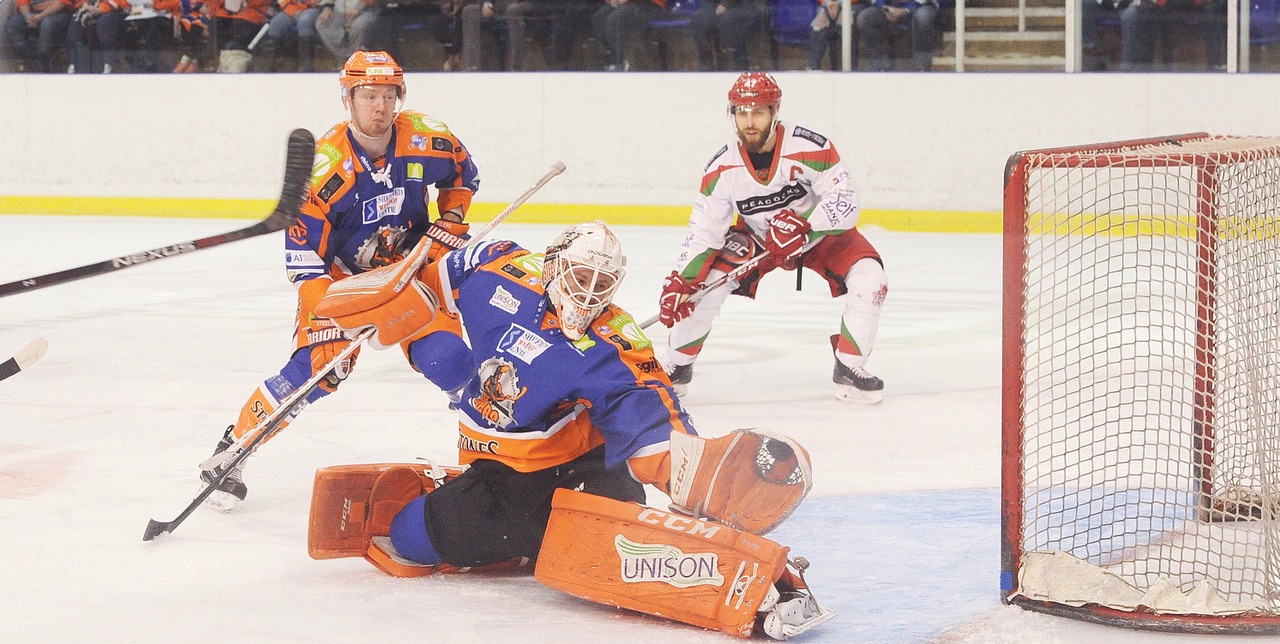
[(786, 235), (674, 304), (446, 236)]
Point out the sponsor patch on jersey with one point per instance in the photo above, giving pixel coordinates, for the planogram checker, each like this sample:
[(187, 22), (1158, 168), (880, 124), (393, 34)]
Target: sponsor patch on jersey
[(839, 209), (789, 193), (300, 259), (413, 171), (441, 144), (424, 123), (626, 326), (418, 142), (642, 562), (715, 156), (650, 366), (512, 270), (384, 205), (620, 341), (330, 187), (522, 343), (326, 156), (531, 263), (504, 300), (810, 135)]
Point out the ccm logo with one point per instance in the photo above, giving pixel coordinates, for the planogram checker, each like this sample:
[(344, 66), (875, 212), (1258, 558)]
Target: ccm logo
[(677, 524)]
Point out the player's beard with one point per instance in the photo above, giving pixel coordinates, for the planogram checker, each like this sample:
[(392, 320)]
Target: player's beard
[(373, 126), (754, 142)]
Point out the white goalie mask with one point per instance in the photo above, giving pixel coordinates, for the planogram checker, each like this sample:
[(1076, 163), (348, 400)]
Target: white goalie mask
[(582, 271)]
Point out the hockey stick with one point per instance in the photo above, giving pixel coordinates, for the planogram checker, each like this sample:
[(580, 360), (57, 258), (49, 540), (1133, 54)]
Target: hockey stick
[(24, 358), (231, 457), (297, 172)]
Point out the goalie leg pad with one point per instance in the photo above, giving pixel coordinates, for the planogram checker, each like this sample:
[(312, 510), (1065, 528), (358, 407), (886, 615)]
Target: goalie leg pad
[(749, 479), (389, 298), (350, 504), (635, 557)]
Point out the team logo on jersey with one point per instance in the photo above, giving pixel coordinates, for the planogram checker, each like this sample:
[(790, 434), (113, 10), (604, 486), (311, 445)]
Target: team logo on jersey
[(503, 299), (810, 135), (381, 249), (789, 193), (522, 343), (384, 205), (643, 562), (499, 390)]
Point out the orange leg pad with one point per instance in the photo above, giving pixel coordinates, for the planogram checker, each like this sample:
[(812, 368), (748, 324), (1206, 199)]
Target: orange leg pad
[(635, 557), (351, 504)]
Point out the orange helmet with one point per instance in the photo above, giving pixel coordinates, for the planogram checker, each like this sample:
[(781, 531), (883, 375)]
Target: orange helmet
[(755, 89), (365, 68)]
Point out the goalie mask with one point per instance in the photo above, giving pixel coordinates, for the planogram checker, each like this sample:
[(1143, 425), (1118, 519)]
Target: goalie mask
[(582, 270)]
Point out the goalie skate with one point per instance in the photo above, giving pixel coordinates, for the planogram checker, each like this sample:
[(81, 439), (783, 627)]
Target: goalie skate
[(232, 489), (857, 385)]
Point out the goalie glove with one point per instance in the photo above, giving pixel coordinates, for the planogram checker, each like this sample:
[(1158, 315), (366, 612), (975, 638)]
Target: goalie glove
[(786, 235), (446, 236), (674, 304)]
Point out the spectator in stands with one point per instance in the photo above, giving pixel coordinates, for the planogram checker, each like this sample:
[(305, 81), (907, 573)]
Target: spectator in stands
[(557, 25), (619, 25), (44, 20), (237, 22), (294, 23), (877, 23), (481, 20), (191, 24), (1145, 23), (730, 22), (6, 10), (825, 37), (343, 25), (103, 18)]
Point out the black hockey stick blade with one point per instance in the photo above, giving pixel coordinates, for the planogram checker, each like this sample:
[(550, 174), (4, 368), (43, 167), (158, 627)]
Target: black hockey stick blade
[(297, 173), (24, 358)]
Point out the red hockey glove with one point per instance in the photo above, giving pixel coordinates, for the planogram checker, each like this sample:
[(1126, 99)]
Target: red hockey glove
[(674, 305), (786, 235), (446, 236)]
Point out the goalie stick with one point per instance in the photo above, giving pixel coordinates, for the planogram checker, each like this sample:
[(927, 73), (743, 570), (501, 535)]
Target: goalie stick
[(297, 172), (269, 426), (24, 358)]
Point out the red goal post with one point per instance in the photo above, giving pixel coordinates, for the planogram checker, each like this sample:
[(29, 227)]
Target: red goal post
[(1141, 383)]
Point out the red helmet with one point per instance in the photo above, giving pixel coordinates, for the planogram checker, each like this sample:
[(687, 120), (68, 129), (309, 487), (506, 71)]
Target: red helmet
[(755, 89), (365, 68)]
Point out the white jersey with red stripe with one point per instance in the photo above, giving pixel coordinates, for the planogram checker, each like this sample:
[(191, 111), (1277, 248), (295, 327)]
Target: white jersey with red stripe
[(806, 176)]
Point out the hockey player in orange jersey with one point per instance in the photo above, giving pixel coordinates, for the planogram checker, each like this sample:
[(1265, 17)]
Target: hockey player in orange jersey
[(566, 394), (368, 207), (778, 188)]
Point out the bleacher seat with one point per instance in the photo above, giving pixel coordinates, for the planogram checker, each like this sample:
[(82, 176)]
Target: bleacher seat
[(790, 24), (677, 19)]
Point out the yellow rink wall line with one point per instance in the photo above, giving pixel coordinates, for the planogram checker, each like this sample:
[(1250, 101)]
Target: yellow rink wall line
[(538, 213)]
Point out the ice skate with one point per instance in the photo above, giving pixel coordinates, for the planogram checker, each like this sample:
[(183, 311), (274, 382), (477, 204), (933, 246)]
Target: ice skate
[(232, 489), (680, 376), (857, 385)]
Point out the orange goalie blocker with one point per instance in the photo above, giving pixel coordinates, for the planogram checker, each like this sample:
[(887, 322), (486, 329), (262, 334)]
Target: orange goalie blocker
[(635, 557), (350, 504), (749, 479), (389, 298)]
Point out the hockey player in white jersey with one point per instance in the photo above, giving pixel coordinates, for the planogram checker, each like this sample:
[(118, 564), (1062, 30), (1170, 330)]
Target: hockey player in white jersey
[(778, 189)]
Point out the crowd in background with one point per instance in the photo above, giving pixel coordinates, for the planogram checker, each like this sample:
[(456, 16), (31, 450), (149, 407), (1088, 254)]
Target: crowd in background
[(105, 36)]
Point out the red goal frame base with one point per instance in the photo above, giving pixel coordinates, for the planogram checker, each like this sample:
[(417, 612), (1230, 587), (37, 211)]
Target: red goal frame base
[(1149, 621)]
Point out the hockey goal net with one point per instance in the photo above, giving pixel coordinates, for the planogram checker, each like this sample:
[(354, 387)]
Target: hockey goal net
[(1141, 383)]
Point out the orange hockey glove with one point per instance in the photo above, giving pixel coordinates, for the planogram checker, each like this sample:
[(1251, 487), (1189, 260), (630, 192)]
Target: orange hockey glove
[(749, 479), (674, 304), (324, 337), (447, 235)]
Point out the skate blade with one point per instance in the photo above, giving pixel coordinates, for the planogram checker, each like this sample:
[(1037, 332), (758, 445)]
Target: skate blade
[(853, 395), (221, 501)]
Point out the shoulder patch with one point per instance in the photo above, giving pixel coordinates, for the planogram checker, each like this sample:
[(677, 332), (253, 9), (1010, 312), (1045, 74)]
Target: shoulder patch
[(330, 187), (714, 157), (510, 269), (810, 135), (441, 144)]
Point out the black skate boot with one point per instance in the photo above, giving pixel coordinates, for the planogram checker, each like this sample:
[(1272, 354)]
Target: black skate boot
[(232, 489), (681, 376), (857, 385)]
